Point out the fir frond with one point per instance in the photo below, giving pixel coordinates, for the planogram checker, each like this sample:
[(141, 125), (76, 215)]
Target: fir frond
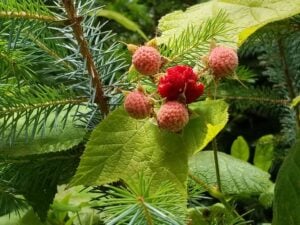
[(26, 9), (51, 58), (195, 41), (9, 200), (137, 203), (30, 111), (14, 64), (36, 177), (104, 52)]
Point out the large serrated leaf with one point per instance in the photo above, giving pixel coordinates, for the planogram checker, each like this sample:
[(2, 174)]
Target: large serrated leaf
[(237, 177), (287, 190), (121, 147), (244, 16)]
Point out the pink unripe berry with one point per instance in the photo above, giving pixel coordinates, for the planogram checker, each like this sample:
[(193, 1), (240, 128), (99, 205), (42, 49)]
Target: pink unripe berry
[(137, 105), (172, 116), (146, 60), (222, 61)]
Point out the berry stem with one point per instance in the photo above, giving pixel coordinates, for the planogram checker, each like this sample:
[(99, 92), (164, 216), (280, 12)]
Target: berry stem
[(216, 159), (215, 147)]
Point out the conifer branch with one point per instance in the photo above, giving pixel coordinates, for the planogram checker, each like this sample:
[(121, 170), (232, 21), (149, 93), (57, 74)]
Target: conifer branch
[(146, 210), (288, 77), (23, 107), (26, 15), (87, 55), (51, 52), (256, 99)]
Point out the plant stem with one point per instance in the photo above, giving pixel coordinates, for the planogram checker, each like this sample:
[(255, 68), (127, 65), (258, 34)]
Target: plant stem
[(215, 194), (216, 159), (87, 55), (215, 148), (199, 181), (78, 217)]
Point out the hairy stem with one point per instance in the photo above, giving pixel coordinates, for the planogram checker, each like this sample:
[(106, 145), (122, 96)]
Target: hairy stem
[(87, 55)]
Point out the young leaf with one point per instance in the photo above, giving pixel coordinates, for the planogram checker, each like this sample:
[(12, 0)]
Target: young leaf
[(245, 16), (295, 101), (210, 117), (240, 149), (264, 152), (237, 177), (287, 190)]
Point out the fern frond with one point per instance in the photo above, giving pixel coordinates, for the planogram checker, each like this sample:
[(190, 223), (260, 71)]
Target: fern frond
[(195, 41)]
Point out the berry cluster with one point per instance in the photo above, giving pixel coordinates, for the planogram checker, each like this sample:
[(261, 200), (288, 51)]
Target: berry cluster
[(178, 86)]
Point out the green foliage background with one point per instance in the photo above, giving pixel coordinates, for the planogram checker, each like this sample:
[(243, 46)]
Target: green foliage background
[(52, 132)]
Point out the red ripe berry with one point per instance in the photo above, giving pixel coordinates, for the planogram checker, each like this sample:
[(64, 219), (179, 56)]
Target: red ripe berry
[(178, 81), (172, 116), (146, 60), (137, 105), (222, 61)]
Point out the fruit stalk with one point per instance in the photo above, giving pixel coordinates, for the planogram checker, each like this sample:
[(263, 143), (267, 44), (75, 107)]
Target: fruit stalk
[(215, 149)]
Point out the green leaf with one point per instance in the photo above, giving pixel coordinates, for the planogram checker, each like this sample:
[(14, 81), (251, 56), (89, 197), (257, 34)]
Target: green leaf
[(266, 199), (287, 190), (240, 149), (244, 17), (121, 146), (237, 177), (210, 117), (264, 150), (121, 19)]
